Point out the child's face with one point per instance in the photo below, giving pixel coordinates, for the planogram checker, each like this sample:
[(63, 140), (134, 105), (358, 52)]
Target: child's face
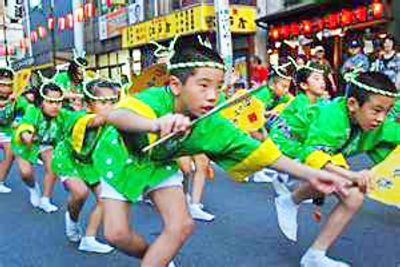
[(315, 84), (52, 108), (102, 107), (372, 113), (5, 92), (200, 92), (281, 86)]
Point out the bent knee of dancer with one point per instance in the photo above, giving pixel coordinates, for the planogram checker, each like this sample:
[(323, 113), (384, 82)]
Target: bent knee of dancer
[(79, 194), (116, 236), (354, 200), (180, 229)]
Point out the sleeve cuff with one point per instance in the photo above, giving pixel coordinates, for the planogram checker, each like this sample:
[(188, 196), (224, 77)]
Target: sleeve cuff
[(318, 159), (21, 129), (79, 131)]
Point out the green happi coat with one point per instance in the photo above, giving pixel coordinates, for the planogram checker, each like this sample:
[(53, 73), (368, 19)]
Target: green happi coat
[(329, 136), (72, 157), (9, 112), (122, 164), (289, 127), (47, 131), (270, 100), (65, 82)]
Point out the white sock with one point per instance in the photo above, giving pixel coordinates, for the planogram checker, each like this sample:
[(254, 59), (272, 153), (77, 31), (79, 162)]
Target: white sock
[(315, 253), (32, 189), (90, 238), (46, 200)]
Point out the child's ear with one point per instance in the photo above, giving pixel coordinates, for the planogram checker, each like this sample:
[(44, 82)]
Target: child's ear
[(352, 104), (304, 86), (175, 85)]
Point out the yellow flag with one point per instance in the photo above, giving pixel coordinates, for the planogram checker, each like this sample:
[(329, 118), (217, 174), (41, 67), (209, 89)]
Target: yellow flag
[(247, 114)]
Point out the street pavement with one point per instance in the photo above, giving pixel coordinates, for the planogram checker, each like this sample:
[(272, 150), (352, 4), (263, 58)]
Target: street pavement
[(244, 234)]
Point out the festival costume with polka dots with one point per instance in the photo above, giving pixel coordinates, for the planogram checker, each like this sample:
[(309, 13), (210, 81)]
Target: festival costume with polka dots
[(73, 156)]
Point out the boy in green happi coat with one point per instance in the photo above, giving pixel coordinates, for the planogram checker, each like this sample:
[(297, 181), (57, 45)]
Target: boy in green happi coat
[(196, 75), (73, 163), (323, 138), (41, 128), (9, 107)]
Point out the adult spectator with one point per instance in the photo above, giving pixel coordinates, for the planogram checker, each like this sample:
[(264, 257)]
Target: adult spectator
[(357, 60), (388, 61), (320, 62), (258, 72)]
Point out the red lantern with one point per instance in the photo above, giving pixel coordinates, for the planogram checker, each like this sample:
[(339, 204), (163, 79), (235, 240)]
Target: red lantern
[(361, 13), (333, 21), (377, 10), (26, 41), (306, 27), (275, 33), (346, 18), (294, 29), (70, 21), (79, 14), (284, 31), (34, 36), (22, 44), (11, 50), (50, 23), (89, 10), (319, 24), (61, 24), (42, 32)]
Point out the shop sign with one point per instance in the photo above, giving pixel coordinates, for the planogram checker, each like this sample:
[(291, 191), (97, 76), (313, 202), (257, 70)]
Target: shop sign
[(112, 24), (185, 22)]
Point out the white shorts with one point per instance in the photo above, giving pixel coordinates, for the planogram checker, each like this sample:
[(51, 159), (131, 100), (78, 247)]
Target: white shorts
[(5, 138), (107, 191)]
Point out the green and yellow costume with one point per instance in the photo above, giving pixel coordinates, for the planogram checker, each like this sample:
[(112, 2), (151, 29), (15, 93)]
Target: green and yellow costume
[(9, 112), (47, 131), (119, 159), (326, 134)]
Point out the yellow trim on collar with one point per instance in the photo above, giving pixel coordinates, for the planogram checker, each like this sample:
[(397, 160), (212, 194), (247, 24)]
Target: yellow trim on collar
[(266, 154), (280, 107), (139, 107), (79, 131), (24, 127), (339, 160), (318, 159)]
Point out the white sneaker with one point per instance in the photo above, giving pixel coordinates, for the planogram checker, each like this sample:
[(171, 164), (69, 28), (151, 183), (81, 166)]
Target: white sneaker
[(171, 264), (321, 262), (72, 229), (262, 177), (90, 244), (34, 197), (47, 206), (4, 189), (286, 211), (199, 214), (189, 201)]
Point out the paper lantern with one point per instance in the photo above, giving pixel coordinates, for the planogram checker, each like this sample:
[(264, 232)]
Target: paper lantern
[(294, 29), (284, 31), (70, 21), (79, 14), (50, 23), (361, 14), (306, 27), (61, 24), (377, 10), (346, 18)]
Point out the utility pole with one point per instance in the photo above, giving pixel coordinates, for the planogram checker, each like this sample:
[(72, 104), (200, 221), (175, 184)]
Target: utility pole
[(53, 36), (28, 25), (224, 37), (6, 50), (79, 42)]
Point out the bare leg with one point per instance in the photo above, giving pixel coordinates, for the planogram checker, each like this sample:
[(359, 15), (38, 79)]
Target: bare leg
[(26, 171), (78, 195), (6, 163), (96, 215), (201, 162), (49, 177), (178, 226), (117, 231), (338, 219)]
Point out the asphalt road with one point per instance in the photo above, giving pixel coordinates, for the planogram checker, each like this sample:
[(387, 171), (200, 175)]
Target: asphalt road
[(245, 232)]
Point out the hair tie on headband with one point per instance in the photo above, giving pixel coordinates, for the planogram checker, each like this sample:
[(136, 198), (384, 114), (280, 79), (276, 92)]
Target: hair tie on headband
[(305, 66), (99, 98)]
